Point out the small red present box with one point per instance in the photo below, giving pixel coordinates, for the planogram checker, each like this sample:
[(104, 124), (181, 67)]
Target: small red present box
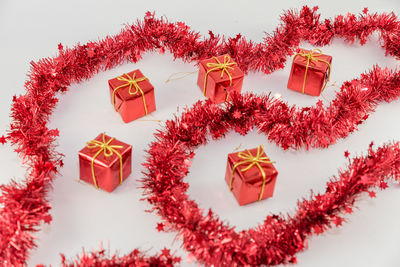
[(310, 72), (132, 95), (105, 162), (250, 175), (219, 77)]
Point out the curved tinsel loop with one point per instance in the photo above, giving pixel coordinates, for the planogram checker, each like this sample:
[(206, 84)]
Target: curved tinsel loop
[(24, 206), (280, 237)]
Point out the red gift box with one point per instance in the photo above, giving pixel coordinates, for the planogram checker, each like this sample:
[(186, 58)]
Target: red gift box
[(132, 95), (105, 162), (310, 72), (250, 175), (219, 77)]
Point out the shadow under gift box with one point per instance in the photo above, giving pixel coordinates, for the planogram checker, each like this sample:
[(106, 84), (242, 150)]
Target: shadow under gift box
[(247, 185), (317, 73), (217, 88), (106, 169), (128, 100)]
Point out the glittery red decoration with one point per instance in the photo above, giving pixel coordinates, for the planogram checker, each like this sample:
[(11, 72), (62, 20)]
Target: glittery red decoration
[(135, 258), (24, 206), (276, 240), (3, 139)]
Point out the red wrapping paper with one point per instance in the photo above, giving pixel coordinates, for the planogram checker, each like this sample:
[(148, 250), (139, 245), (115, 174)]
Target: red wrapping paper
[(316, 75), (106, 169), (247, 185), (217, 88), (131, 107)]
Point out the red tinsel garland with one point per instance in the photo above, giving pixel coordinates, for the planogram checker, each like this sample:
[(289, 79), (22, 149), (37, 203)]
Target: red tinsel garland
[(24, 206), (134, 258), (279, 237)]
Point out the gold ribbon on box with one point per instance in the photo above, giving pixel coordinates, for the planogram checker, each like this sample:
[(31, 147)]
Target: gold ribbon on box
[(313, 56), (252, 160), (223, 67), (131, 82), (108, 150)]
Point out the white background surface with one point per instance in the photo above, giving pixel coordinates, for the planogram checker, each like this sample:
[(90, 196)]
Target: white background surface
[(85, 217)]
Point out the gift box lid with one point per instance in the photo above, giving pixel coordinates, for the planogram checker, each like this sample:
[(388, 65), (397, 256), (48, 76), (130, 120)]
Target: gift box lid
[(102, 159), (235, 73), (314, 65), (253, 175), (123, 92)]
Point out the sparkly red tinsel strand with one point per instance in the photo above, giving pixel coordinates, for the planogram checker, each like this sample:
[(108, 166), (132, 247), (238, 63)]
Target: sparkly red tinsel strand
[(134, 258), (3, 139), (24, 206), (279, 237)]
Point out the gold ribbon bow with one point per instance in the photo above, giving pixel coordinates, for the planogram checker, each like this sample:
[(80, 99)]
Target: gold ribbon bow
[(108, 151), (251, 160), (312, 56), (223, 67), (131, 82)]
